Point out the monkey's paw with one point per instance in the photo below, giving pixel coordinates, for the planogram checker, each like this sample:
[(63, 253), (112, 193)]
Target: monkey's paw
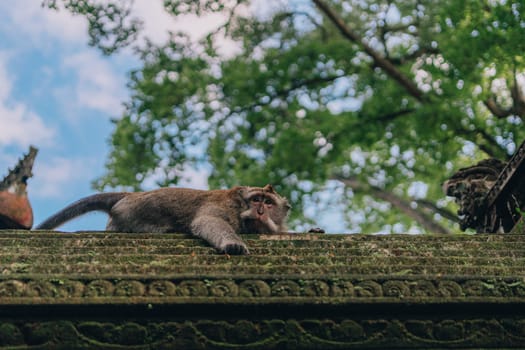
[(235, 248)]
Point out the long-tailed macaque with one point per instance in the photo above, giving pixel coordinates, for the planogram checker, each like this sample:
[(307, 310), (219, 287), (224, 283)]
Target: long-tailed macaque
[(217, 216)]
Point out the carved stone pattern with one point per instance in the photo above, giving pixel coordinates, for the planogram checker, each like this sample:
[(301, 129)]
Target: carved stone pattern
[(506, 173), (506, 199), (470, 187), (250, 288), (490, 193), (265, 334), (21, 172)]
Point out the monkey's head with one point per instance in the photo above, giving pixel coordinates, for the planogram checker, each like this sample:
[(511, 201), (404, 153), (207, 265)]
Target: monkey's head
[(266, 210)]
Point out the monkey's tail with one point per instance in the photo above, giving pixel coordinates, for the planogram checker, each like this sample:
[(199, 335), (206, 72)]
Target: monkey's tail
[(97, 202)]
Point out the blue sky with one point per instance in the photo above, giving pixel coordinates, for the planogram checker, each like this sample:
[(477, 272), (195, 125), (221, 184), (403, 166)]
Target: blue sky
[(59, 94)]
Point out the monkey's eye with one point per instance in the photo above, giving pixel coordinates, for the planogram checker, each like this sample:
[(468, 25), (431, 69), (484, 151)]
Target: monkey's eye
[(256, 199), (268, 201)]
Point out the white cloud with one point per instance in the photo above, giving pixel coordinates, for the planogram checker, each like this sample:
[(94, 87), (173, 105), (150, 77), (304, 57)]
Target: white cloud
[(97, 84), (54, 177), (93, 81), (38, 25), (190, 177), (157, 23), (5, 81), (22, 127), (18, 124)]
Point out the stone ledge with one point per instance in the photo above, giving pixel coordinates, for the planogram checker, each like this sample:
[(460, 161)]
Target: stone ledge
[(144, 291)]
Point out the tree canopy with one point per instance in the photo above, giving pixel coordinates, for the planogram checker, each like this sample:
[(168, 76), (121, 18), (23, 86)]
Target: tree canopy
[(376, 102)]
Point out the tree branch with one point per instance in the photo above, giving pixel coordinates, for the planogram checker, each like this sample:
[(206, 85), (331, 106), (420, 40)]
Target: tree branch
[(416, 54), (495, 109), (403, 205), (447, 214), (518, 103), (296, 84), (380, 61), (487, 143), (393, 115)]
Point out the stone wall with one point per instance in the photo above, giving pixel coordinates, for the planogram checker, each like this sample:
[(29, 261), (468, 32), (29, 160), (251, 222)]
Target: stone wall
[(303, 291)]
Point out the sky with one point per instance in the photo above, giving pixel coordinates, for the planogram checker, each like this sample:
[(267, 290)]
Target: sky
[(59, 94)]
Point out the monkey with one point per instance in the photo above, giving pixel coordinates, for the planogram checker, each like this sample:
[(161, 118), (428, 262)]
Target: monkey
[(217, 216)]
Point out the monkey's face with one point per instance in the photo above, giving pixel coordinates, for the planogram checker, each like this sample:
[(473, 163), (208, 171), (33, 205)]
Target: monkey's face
[(266, 211)]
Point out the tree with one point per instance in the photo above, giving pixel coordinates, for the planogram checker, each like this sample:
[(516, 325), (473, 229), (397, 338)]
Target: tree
[(388, 98)]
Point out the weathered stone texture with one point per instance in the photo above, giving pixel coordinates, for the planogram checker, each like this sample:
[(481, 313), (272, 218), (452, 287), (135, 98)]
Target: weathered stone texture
[(168, 291)]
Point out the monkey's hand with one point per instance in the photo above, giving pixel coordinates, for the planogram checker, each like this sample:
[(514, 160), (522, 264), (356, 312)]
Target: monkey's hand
[(219, 233), (233, 247)]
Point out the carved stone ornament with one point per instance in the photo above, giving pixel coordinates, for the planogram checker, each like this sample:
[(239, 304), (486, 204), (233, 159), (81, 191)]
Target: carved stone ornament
[(490, 194), (15, 209)]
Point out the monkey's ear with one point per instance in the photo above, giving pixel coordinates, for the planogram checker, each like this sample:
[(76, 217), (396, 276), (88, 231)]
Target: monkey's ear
[(268, 188), (241, 190)]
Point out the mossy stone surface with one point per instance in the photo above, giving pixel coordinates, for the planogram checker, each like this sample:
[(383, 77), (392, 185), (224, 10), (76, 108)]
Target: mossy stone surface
[(146, 291)]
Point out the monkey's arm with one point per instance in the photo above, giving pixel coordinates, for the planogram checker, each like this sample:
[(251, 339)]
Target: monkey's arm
[(219, 233)]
